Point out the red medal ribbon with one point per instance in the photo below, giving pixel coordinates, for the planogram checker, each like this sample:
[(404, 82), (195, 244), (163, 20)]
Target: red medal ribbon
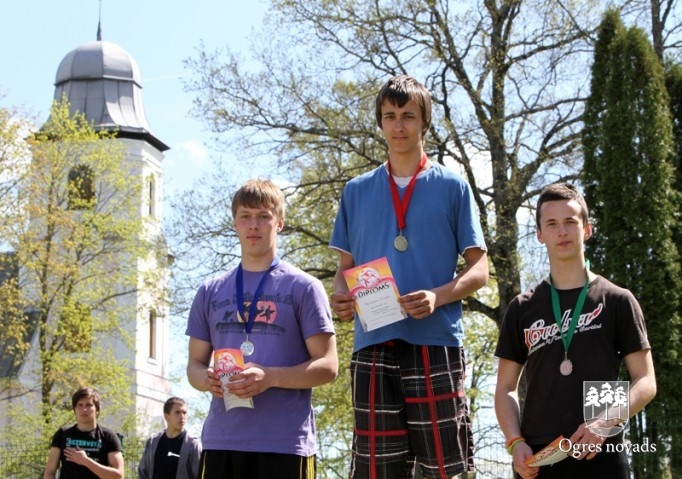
[(400, 207)]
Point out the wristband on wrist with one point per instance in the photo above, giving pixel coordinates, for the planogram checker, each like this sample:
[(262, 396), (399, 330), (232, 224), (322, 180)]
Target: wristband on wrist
[(511, 444)]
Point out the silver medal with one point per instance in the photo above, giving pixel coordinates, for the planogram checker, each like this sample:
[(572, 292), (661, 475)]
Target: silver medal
[(247, 348), (400, 242)]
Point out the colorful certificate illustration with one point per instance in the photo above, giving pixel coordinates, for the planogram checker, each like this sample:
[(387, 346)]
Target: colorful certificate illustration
[(376, 294), (549, 455), (227, 363)]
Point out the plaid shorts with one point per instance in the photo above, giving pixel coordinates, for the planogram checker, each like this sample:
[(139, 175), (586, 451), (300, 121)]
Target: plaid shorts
[(409, 402)]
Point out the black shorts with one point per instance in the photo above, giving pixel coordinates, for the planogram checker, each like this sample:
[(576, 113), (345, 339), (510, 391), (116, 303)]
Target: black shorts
[(254, 465)]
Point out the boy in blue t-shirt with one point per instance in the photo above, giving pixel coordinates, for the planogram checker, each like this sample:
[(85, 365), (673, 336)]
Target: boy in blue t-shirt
[(407, 376)]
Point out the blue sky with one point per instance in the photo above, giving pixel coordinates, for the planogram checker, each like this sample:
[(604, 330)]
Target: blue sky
[(37, 34)]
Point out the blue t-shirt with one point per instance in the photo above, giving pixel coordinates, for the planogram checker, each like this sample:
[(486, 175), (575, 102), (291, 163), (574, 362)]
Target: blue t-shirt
[(441, 223), (293, 306)]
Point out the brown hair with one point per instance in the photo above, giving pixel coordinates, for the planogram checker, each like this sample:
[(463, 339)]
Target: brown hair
[(562, 191), (170, 402), (259, 193), (398, 91), (86, 392)]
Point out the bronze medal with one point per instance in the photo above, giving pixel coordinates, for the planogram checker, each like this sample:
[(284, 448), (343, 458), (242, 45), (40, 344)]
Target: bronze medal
[(566, 367)]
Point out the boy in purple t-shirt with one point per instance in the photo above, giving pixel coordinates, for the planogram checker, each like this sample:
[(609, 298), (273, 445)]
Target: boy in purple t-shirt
[(279, 317)]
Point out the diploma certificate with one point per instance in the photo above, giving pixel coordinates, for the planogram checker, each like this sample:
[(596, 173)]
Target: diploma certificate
[(549, 455), (376, 294)]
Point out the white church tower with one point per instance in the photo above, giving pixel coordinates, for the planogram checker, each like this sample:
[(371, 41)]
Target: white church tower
[(101, 80)]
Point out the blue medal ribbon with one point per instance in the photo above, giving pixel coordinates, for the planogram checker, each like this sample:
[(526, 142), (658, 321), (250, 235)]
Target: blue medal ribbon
[(248, 322)]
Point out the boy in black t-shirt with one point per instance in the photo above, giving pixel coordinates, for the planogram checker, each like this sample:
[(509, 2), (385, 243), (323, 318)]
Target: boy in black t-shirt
[(85, 450), (575, 326)]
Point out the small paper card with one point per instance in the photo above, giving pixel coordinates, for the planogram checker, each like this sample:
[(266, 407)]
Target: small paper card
[(376, 294), (227, 363), (548, 455)]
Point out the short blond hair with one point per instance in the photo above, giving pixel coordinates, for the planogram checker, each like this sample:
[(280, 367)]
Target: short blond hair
[(259, 193)]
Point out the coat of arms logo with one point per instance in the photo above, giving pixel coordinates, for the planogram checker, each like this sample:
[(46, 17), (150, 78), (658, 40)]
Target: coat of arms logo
[(606, 406)]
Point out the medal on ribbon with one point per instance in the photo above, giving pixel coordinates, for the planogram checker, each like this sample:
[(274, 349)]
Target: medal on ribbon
[(566, 366), (247, 347), (400, 206)]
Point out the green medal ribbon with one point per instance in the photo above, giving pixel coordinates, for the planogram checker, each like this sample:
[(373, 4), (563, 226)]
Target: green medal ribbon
[(556, 307)]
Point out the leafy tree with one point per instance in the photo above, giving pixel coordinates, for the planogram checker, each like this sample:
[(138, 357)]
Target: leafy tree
[(507, 101), (508, 82), (664, 23), (73, 229), (13, 151), (629, 178)]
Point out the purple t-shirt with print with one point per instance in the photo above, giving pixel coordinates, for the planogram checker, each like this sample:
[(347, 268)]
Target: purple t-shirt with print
[(292, 307)]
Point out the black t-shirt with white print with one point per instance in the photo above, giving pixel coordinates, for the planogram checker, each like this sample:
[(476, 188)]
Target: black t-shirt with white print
[(97, 444), (611, 326)]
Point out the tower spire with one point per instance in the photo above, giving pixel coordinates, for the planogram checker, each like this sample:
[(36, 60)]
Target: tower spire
[(99, 23)]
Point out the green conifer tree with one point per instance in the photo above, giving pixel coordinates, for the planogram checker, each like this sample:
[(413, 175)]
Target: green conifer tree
[(629, 183)]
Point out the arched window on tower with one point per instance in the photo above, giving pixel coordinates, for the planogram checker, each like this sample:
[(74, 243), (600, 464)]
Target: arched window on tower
[(81, 188), (153, 334), (151, 196)]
